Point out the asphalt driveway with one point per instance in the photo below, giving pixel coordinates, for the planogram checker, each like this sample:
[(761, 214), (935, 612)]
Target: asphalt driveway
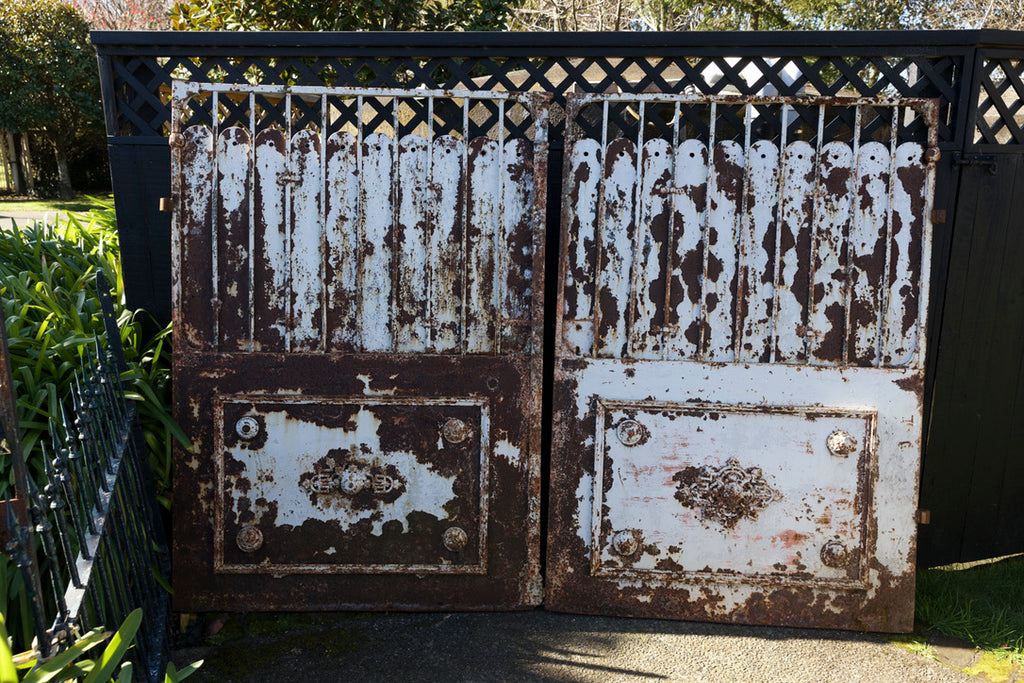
[(539, 646)]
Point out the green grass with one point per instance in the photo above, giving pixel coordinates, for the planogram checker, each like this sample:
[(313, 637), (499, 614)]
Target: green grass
[(79, 204), (981, 603)]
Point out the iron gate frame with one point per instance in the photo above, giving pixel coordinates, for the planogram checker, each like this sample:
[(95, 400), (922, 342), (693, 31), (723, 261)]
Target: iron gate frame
[(135, 73), (214, 375), (688, 380)]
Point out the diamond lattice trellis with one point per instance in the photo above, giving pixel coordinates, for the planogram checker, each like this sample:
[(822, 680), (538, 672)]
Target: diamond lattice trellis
[(1000, 118), (142, 85)]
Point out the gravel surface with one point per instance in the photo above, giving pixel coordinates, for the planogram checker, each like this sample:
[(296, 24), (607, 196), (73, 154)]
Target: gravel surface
[(542, 646)]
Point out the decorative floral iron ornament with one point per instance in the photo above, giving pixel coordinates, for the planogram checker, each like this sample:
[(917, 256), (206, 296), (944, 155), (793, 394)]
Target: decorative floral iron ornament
[(725, 494)]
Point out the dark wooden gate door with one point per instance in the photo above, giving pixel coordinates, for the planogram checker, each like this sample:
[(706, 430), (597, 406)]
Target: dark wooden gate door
[(974, 465), (739, 359), (358, 308)]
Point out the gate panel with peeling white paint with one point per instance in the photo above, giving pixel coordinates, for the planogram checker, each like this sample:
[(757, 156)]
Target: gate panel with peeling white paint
[(358, 309), (739, 360)]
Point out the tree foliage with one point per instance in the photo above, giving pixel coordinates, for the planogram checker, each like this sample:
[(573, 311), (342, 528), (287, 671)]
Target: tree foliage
[(48, 75), (341, 15), (125, 15), (999, 14), (725, 15)]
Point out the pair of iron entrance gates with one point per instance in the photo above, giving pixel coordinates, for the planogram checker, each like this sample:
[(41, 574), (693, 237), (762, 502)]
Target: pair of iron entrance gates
[(738, 370)]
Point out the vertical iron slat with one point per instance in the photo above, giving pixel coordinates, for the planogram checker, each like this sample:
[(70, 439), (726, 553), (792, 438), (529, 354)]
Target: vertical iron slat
[(742, 257), (464, 241), (783, 157), (251, 192), (672, 186), (214, 333), (709, 185), (428, 218), (360, 254), (812, 269), (883, 299), (599, 247), (289, 218), (498, 231), (395, 251), (324, 300), (639, 230)]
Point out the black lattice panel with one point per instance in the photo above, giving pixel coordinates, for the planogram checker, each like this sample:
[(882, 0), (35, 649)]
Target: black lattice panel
[(142, 85), (1000, 118), (833, 122)]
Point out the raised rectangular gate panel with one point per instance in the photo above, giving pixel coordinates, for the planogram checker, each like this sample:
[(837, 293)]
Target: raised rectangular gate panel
[(739, 359), (358, 330)]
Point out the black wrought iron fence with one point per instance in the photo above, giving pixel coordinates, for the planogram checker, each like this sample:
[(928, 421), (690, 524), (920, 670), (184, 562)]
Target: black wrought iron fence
[(89, 539)]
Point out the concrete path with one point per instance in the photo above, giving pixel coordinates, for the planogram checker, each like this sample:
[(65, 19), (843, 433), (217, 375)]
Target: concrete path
[(542, 646), (9, 218)]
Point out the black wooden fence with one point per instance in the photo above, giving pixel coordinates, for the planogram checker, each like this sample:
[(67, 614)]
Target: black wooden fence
[(88, 537), (973, 469)]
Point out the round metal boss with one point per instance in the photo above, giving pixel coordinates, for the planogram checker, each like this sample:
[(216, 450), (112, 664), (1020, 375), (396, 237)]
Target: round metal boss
[(249, 539), (352, 480), (455, 539), (834, 554), (455, 430), (841, 443), (247, 427), (626, 542), (631, 433)]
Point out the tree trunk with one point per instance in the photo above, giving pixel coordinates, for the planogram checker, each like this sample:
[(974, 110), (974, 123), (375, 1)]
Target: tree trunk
[(8, 184), (12, 162), (67, 192), (559, 13), (26, 166)]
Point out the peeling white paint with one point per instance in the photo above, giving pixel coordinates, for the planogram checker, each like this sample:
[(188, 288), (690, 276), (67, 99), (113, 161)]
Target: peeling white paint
[(375, 199), (585, 502), (900, 344), (815, 492), (509, 452), (367, 391), (796, 215), (615, 243), (412, 330), (483, 229), (292, 448), (691, 173), (271, 236), (444, 250), (306, 257), (342, 211)]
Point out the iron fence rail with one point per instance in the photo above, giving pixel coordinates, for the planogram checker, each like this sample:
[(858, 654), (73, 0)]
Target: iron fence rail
[(94, 521)]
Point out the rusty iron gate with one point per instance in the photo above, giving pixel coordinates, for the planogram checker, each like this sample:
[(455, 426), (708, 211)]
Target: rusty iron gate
[(358, 337), (740, 358)]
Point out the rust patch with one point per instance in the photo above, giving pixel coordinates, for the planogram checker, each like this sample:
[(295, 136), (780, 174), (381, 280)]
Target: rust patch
[(692, 271), (831, 346), (913, 383)]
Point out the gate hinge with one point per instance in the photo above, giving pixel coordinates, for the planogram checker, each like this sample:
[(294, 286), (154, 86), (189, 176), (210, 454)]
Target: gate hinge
[(988, 160), (924, 516), (938, 216), (166, 204)]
